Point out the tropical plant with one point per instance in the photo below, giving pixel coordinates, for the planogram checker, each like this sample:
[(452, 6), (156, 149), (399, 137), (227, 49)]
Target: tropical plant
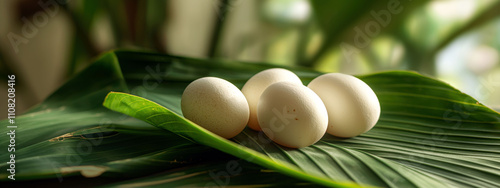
[(429, 134), (117, 121)]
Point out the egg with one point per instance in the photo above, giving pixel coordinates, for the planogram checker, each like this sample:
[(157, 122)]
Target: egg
[(254, 87), (353, 108), (292, 115), (216, 105)]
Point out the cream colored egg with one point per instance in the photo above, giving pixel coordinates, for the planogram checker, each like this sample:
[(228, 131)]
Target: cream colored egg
[(353, 108), (217, 105), (258, 83), (292, 115)]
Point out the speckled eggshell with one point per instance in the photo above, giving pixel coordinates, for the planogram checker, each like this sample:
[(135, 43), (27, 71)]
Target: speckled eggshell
[(353, 108), (254, 87), (216, 105), (292, 115)]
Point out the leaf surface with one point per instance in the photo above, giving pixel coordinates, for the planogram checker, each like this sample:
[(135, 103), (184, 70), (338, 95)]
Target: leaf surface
[(429, 134)]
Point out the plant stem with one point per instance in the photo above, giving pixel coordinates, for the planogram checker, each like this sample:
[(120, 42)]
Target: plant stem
[(155, 13), (81, 32), (136, 21), (416, 58), (81, 37), (219, 23), (302, 42), (118, 22), (485, 16)]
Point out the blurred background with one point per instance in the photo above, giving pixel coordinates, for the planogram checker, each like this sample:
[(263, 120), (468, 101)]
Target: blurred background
[(46, 42)]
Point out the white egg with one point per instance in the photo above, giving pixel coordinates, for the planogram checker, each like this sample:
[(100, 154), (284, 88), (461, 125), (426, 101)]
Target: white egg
[(292, 115), (258, 83), (216, 105), (353, 108)]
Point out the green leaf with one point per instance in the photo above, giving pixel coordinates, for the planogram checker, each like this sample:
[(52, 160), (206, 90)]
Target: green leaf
[(161, 117), (429, 133), (70, 134)]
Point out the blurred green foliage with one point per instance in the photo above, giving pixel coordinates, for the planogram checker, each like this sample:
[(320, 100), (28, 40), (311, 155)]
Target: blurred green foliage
[(353, 36), (341, 24)]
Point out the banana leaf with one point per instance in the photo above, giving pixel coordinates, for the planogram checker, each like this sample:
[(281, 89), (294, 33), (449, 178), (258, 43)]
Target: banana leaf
[(429, 134)]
